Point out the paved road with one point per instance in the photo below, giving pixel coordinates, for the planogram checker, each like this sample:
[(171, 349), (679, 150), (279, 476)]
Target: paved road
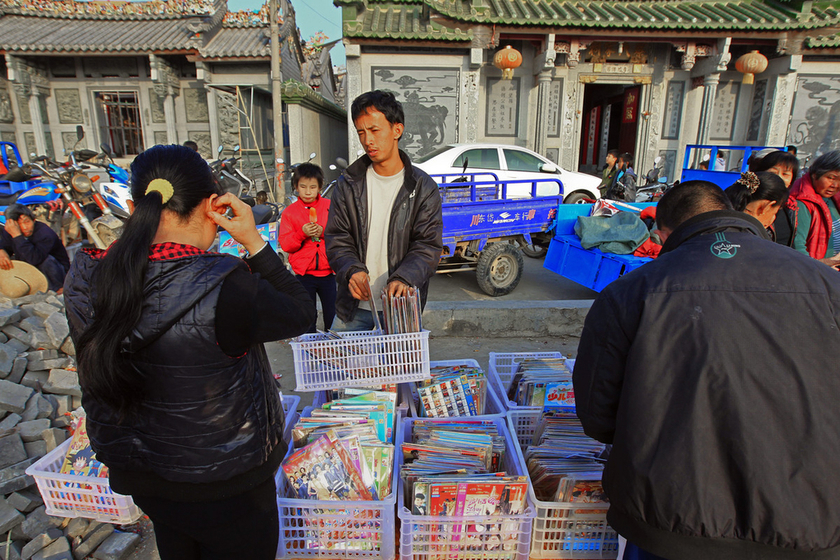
[(537, 284)]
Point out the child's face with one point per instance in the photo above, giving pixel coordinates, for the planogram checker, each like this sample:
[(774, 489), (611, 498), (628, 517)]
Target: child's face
[(308, 189)]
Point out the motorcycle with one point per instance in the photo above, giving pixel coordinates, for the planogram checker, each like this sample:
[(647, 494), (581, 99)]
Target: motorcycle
[(655, 186), (117, 193), (230, 178)]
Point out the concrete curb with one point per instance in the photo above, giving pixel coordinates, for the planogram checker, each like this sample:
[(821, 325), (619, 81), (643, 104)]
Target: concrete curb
[(506, 319)]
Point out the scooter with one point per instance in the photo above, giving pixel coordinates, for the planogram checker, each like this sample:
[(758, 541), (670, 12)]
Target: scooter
[(655, 186), (117, 193), (230, 178)]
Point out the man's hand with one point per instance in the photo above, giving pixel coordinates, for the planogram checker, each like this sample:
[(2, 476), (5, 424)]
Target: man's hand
[(12, 228), (833, 262), (360, 286), (5, 261), (397, 289)]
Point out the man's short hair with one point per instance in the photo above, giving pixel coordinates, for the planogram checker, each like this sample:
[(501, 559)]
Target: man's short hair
[(15, 211), (191, 145), (627, 158), (308, 171), (687, 200), (383, 101), (615, 153), (792, 149)]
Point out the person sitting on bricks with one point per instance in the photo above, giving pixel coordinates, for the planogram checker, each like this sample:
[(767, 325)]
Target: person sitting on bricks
[(25, 239), (385, 226)]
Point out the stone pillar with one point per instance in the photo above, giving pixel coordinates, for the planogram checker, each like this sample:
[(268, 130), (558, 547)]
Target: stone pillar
[(213, 115), (37, 122), (169, 113), (470, 96), (710, 85), (353, 89), (541, 132)]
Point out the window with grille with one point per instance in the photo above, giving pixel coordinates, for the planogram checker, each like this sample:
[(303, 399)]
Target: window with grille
[(120, 121)]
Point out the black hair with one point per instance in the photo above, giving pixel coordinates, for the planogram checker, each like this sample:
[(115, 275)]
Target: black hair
[(615, 153), (191, 145), (627, 158), (768, 186), (382, 101), (262, 197), (308, 171), (826, 163), (792, 150), (15, 211), (119, 279), (687, 200), (780, 158)]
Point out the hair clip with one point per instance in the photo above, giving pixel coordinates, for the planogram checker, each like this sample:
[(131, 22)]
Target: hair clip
[(162, 186), (750, 181)]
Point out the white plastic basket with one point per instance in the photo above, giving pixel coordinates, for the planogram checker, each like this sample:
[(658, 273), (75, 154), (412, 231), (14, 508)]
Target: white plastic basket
[(426, 537), (502, 369), (67, 495), (565, 530), (337, 529), (359, 359)]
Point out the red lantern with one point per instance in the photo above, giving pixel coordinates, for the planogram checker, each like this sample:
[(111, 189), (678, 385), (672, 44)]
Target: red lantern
[(506, 60), (750, 64)]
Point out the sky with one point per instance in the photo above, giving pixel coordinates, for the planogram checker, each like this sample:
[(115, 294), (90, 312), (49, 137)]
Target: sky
[(312, 16)]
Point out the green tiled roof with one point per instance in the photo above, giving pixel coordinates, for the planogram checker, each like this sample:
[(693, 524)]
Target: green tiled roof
[(823, 41), (400, 20), (405, 18)]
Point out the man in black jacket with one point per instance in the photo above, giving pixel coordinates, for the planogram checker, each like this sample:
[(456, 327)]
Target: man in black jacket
[(712, 372), (33, 242), (385, 226)]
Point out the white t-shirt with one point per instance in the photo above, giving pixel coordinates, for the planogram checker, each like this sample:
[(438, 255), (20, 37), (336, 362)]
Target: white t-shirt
[(381, 193)]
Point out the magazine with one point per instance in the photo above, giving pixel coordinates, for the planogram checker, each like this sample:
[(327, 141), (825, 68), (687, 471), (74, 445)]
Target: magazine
[(81, 459)]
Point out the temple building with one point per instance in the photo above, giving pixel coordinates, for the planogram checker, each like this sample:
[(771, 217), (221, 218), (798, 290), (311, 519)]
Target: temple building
[(646, 76), (136, 74)]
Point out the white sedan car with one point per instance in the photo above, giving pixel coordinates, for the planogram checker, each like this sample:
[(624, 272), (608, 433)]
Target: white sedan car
[(509, 163)]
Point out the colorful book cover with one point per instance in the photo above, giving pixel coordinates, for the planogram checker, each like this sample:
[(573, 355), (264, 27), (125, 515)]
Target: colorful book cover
[(81, 459), (229, 246), (559, 395)]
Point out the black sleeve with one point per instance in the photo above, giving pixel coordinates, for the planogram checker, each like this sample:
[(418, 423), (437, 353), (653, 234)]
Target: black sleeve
[(33, 250), (599, 369), (265, 305), (6, 242)]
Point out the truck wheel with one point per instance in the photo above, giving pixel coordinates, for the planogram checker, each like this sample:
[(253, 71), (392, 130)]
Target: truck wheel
[(499, 269), (534, 251), (576, 198)]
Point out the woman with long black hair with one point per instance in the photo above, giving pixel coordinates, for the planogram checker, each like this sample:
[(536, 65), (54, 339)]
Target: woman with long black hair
[(180, 400)]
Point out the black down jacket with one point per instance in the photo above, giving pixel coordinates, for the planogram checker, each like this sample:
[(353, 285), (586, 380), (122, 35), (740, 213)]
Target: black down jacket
[(415, 231), (206, 416), (713, 371)]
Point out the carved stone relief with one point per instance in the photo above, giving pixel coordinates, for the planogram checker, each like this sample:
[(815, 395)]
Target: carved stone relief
[(470, 86), (29, 138), (228, 119), (156, 103), (23, 106), (69, 106), (9, 137), (195, 100), (655, 111), (569, 118), (161, 138), (68, 140), (6, 113), (205, 147)]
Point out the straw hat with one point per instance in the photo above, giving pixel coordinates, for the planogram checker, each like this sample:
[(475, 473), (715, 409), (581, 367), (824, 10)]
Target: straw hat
[(22, 279)]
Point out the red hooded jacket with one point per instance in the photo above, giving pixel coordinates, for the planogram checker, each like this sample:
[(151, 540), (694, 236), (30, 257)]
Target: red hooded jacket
[(819, 235), (305, 255)]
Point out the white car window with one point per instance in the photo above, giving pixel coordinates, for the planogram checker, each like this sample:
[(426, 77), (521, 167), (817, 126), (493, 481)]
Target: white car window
[(522, 161), (484, 158)]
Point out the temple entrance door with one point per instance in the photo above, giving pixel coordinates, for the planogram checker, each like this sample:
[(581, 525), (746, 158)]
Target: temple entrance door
[(610, 121)]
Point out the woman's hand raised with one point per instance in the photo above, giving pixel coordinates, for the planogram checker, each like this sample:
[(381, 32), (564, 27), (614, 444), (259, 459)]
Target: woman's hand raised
[(240, 225)]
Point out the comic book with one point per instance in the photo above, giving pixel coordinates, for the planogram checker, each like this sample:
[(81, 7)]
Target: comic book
[(326, 469), (81, 459)]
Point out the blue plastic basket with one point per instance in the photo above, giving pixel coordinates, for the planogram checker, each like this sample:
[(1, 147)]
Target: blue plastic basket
[(426, 537)]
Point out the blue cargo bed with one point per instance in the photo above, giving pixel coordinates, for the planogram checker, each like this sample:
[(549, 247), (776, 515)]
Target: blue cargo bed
[(589, 267)]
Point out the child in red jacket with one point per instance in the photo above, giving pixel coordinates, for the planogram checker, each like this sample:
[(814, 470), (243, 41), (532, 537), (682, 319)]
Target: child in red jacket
[(302, 237)]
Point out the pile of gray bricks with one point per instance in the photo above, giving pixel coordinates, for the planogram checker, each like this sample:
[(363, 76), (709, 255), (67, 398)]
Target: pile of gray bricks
[(38, 387)]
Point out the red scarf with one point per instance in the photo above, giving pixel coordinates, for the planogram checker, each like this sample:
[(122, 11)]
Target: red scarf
[(819, 235)]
